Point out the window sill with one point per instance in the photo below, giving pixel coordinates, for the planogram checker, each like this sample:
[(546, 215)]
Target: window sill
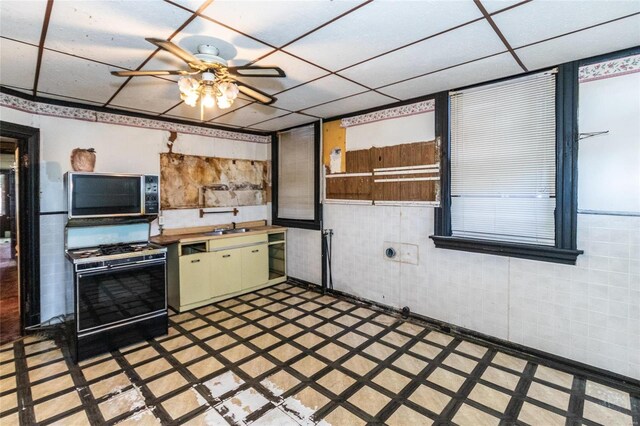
[(524, 251)]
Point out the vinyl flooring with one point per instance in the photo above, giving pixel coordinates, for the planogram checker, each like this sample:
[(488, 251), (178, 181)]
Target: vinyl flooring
[(288, 355)]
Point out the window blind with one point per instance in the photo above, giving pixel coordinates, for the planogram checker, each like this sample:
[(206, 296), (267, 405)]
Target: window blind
[(503, 165), (295, 174)]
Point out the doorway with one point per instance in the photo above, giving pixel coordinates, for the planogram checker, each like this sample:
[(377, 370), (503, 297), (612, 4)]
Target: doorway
[(10, 323), (19, 230)]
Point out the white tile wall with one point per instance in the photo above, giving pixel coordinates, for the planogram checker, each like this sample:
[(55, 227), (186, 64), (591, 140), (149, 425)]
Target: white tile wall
[(589, 312), (56, 274), (304, 256)]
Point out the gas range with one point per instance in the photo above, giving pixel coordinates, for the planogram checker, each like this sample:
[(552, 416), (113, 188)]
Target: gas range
[(113, 254)]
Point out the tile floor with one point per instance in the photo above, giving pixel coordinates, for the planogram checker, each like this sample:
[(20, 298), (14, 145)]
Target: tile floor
[(288, 355)]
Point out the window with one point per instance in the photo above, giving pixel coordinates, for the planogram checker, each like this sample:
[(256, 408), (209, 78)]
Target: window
[(508, 167), (503, 147), (296, 177)]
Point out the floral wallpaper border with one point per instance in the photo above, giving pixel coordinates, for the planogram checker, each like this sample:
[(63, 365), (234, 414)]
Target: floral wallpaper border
[(608, 69), (385, 114), (40, 108)]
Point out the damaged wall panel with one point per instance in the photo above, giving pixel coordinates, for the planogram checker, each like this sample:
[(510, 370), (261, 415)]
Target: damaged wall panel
[(190, 181), (398, 173)]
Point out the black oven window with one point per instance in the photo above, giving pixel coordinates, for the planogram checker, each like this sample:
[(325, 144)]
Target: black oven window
[(115, 295)]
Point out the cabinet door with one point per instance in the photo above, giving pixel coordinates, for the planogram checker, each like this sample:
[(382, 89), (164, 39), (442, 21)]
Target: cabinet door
[(194, 278), (225, 272), (255, 265)]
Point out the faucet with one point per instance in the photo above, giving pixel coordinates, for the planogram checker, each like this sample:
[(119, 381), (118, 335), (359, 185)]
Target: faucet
[(233, 224)]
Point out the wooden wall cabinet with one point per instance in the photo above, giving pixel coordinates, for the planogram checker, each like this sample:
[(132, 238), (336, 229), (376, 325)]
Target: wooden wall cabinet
[(203, 272)]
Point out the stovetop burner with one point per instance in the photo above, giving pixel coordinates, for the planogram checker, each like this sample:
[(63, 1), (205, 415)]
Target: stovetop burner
[(113, 251)]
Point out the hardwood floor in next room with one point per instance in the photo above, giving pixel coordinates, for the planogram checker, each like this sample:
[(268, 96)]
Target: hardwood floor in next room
[(9, 296)]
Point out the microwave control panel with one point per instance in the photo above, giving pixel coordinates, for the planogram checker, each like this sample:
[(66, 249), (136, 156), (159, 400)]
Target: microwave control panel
[(151, 194)]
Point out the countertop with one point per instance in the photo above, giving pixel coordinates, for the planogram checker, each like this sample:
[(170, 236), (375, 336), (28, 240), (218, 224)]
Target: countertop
[(165, 240)]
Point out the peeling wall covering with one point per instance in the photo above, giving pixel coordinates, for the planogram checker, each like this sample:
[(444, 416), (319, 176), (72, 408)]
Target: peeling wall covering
[(189, 181)]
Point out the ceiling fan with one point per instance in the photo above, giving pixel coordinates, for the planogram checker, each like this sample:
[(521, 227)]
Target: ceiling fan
[(217, 83)]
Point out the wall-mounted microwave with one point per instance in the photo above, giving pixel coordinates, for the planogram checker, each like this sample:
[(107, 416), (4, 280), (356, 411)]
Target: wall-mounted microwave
[(111, 194)]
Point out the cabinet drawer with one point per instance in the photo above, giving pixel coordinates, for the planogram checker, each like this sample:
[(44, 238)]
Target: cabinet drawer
[(223, 243)]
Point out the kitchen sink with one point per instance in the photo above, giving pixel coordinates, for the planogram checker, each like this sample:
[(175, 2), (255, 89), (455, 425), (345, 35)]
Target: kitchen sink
[(235, 231), (227, 231)]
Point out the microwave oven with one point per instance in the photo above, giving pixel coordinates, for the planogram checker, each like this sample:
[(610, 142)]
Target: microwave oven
[(111, 194)]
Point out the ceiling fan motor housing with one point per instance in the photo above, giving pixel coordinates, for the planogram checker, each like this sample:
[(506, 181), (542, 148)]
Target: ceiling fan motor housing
[(209, 55)]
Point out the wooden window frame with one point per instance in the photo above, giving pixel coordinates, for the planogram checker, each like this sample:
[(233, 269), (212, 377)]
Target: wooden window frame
[(316, 223)]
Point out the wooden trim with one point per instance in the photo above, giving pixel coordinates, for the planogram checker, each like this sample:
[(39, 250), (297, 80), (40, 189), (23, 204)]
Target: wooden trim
[(29, 214), (43, 36)]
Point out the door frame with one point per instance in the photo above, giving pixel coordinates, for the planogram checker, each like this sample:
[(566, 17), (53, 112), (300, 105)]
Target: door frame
[(29, 216)]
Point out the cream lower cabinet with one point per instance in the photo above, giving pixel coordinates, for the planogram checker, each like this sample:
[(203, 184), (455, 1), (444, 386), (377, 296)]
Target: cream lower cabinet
[(202, 272), (226, 266), (194, 277), (255, 265)]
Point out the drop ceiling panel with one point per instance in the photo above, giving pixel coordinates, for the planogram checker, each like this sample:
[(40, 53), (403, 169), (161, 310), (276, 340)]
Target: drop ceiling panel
[(67, 98), (17, 63), (251, 114), (279, 22), (470, 42), (379, 27), (475, 72), (493, 6), (320, 91), (112, 31), (297, 72), (350, 104), (70, 76), (539, 20), (187, 112), (149, 94), (22, 20), (595, 41), (284, 122)]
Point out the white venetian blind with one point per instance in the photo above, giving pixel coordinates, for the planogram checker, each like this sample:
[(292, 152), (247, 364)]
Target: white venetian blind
[(503, 163), (296, 174)]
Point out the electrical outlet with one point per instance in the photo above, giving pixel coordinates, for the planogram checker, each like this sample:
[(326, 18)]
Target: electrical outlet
[(160, 220)]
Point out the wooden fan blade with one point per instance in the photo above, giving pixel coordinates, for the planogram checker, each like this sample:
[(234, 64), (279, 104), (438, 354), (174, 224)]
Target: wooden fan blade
[(254, 93), (256, 71), (139, 73), (178, 51)]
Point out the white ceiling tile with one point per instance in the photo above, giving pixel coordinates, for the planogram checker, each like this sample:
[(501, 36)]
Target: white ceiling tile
[(350, 104), (379, 27), (285, 122), (187, 112), (495, 5), (22, 20), (595, 41), (539, 20), (322, 90), (475, 72), (470, 42), (112, 31), (70, 76), (17, 63), (234, 47), (192, 5), (251, 114), (297, 72), (277, 22), (149, 94)]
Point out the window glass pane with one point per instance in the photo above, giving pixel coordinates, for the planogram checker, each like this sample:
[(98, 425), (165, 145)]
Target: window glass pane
[(503, 166), (296, 174)]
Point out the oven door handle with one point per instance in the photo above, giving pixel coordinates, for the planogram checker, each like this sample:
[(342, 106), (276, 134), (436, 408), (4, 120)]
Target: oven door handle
[(123, 266)]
